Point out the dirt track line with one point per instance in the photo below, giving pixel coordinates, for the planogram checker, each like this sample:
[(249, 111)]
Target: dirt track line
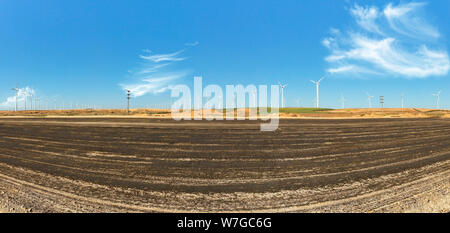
[(350, 199), (245, 159), (42, 189), (285, 137), (206, 182), (412, 197)]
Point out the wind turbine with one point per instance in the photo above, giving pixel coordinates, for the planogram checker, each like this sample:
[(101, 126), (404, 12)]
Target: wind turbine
[(437, 98), (298, 102), (282, 93), (317, 90), (25, 93), (16, 89), (403, 101), (38, 103), (31, 102), (255, 99), (343, 101), (369, 97)]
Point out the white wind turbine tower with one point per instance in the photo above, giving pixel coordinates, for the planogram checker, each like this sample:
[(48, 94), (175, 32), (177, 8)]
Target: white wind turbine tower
[(38, 103), (403, 101), (314, 101), (282, 93), (298, 102), (317, 90), (25, 93), (437, 98), (369, 97), (31, 100), (255, 99), (343, 101), (16, 89)]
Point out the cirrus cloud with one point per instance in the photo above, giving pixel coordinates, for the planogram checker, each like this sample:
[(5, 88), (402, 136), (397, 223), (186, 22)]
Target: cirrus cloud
[(156, 74), (394, 41)]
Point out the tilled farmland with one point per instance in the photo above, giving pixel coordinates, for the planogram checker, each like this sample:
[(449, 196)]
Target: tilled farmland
[(161, 165)]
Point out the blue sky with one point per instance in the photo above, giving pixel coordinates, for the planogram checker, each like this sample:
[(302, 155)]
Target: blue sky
[(87, 52)]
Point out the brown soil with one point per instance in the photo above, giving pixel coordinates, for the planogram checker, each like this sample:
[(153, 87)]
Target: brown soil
[(160, 165)]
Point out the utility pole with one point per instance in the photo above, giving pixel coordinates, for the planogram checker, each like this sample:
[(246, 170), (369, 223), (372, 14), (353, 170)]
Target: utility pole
[(382, 101), (128, 101)]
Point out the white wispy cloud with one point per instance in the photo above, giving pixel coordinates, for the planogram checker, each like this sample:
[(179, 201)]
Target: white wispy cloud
[(155, 74), (21, 95), (404, 19), (153, 68), (391, 41), (192, 44), (341, 69), (164, 57), (154, 85), (366, 18)]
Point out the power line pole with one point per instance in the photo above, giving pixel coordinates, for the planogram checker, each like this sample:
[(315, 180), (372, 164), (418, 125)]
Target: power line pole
[(382, 101), (128, 101)]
